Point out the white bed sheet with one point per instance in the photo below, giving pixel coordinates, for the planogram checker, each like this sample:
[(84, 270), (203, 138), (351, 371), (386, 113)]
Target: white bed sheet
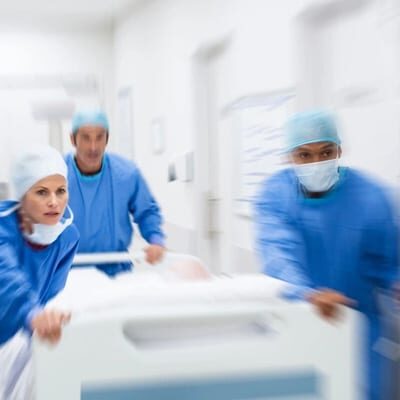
[(89, 290)]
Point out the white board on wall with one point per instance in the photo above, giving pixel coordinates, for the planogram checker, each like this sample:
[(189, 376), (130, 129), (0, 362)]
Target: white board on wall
[(258, 122)]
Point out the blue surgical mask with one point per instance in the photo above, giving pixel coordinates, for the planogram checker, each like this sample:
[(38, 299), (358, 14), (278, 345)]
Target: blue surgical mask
[(46, 234), (319, 176)]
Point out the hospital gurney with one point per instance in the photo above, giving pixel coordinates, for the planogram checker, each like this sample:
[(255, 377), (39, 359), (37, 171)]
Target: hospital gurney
[(215, 346)]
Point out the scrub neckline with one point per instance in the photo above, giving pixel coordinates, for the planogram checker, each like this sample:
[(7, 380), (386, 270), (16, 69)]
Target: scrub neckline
[(328, 195), (94, 177)]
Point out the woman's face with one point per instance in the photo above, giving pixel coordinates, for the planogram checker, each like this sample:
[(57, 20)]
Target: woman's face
[(45, 201)]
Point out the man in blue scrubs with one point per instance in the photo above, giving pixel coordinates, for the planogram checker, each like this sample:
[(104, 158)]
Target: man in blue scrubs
[(107, 194), (329, 230)]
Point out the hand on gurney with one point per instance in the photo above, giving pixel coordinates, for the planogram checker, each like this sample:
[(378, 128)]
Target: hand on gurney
[(328, 303), (154, 253), (48, 324)]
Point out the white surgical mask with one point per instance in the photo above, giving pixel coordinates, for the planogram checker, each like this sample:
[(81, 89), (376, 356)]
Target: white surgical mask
[(319, 176), (46, 234)]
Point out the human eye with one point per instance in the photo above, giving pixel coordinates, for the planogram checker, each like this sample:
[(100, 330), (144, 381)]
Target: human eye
[(327, 153), (41, 192), (304, 155), (61, 190)]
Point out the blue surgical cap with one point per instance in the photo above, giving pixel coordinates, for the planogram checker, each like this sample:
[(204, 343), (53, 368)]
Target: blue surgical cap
[(97, 118), (311, 127)]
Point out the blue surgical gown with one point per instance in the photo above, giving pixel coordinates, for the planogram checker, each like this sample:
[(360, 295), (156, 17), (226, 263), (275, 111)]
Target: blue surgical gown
[(346, 240), (106, 204), (29, 276)]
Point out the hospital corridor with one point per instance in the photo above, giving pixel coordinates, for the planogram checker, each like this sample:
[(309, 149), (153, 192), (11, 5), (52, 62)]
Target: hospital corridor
[(200, 200)]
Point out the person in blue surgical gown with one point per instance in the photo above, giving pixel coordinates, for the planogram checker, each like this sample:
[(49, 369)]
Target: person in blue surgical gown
[(33, 267), (107, 194), (329, 230)]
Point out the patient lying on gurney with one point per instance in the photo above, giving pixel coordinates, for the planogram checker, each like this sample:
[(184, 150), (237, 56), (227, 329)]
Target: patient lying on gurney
[(188, 270), (177, 280)]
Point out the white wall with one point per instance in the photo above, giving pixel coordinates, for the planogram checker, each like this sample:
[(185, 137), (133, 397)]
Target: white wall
[(354, 57), (31, 63), (346, 51), (365, 56), (154, 50)]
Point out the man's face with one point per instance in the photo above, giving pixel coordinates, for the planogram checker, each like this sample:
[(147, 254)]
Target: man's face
[(90, 142), (315, 152)]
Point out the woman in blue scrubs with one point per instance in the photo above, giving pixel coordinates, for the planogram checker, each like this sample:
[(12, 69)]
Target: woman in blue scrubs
[(33, 266)]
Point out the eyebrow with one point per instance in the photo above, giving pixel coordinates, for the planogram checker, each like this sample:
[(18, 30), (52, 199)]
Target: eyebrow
[(88, 131), (328, 146), (46, 188), (324, 147)]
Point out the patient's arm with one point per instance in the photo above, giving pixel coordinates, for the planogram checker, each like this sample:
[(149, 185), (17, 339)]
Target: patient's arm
[(188, 270)]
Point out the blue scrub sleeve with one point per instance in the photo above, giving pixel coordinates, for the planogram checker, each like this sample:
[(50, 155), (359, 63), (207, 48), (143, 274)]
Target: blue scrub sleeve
[(382, 248), (32, 314), (279, 246), (17, 298), (146, 212), (157, 239), (60, 275)]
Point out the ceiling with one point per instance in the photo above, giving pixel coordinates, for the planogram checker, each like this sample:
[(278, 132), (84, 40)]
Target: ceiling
[(64, 14)]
